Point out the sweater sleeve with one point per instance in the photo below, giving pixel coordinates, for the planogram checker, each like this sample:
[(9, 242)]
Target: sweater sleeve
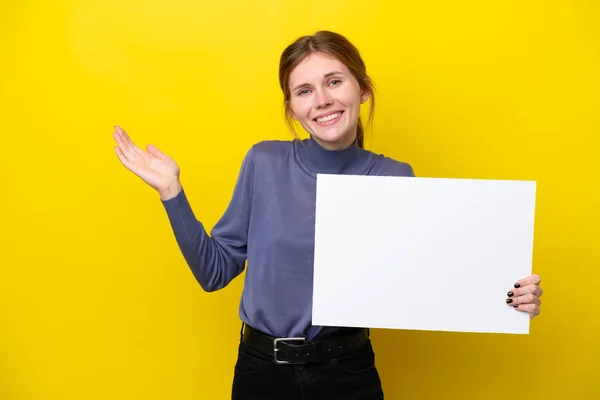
[(217, 259)]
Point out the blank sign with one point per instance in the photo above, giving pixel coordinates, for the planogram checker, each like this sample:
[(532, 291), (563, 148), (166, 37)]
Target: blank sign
[(421, 253)]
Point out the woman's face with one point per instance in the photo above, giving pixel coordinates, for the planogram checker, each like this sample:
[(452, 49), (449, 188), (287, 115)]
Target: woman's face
[(325, 98)]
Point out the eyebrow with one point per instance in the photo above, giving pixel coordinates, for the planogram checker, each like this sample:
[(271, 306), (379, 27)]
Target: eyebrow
[(327, 75)]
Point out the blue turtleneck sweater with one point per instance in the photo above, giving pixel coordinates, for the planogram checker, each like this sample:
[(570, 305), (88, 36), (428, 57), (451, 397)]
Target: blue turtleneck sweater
[(270, 223)]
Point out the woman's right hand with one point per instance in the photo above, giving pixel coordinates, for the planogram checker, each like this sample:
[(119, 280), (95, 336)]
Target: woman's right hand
[(154, 167)]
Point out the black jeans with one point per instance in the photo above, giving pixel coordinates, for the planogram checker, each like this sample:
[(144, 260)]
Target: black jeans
[(352, 376)]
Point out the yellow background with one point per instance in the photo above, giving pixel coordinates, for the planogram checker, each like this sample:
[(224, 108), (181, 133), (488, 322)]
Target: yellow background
[(96, 301)]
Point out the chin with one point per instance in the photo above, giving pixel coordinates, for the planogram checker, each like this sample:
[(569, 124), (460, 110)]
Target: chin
[(331, 135)]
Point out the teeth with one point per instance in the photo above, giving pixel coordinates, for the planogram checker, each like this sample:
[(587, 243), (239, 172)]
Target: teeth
[(329, 117)]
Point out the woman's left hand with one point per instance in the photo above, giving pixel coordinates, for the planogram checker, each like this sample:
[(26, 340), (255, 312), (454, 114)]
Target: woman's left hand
[(526, 295)]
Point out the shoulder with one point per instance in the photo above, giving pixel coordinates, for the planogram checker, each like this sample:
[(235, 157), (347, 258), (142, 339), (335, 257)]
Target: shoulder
[(272, 147), (386, 166), (270, 151)]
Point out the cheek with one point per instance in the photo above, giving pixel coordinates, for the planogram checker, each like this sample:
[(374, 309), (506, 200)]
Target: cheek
[(350, 98), (300, 109)]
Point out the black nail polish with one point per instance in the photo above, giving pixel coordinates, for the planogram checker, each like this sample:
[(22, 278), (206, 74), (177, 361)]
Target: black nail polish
[(509, 301), (517, 285), (516, 305), (510, 294)]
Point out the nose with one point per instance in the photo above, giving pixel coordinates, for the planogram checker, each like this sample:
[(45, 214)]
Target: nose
[(323, 99)]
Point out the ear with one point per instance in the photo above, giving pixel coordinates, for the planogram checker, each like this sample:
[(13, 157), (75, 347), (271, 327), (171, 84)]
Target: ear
[(366, 95), (290, 111)]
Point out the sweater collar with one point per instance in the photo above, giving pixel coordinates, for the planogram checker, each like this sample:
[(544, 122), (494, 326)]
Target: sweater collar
[(318, 160)]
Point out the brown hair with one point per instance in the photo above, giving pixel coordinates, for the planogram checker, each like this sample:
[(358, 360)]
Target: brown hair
[(333, 45)]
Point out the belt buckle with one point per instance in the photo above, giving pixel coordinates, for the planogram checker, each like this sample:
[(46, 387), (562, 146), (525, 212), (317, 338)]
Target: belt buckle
[(275, 349)]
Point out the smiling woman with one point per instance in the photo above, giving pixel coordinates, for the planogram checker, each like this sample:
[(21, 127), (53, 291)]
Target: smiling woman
[(324, 82), (270, 223), (327, 106)]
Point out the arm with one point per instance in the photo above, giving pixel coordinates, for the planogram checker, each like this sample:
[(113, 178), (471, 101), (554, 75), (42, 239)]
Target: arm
[(217, 259)]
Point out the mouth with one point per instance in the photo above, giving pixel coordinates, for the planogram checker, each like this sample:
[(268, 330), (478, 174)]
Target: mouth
[(329, 119)]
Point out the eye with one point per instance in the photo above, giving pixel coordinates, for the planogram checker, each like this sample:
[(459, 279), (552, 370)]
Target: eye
[(302, 92), (335, 82)]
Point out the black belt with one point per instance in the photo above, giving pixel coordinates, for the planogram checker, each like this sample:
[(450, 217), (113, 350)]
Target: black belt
[(302, 351)]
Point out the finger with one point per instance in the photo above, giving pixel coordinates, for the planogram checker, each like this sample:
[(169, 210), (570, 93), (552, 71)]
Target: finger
[(532, 309), (130, 148), (525, 299), (126, 138), (124, 160), (153, 150), (530, 280), (529, 289), (125, 149)]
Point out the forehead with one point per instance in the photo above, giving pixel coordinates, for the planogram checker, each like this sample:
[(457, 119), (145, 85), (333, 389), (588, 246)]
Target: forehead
[(313, 67)]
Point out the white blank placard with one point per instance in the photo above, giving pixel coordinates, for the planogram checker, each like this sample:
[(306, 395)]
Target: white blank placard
[(421, 253)]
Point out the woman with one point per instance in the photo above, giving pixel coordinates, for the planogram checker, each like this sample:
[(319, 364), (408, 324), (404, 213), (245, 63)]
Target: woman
[(270, 223)]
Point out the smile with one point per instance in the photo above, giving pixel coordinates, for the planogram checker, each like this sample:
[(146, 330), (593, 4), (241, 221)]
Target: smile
[(328, 118)]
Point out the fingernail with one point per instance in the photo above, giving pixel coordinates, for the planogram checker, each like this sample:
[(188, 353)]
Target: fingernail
[(516, 305), (517, 285), (509, 300), (510, 294)]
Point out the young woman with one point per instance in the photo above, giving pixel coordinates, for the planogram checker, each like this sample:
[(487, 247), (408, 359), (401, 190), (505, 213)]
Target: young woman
[(270, 224)]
